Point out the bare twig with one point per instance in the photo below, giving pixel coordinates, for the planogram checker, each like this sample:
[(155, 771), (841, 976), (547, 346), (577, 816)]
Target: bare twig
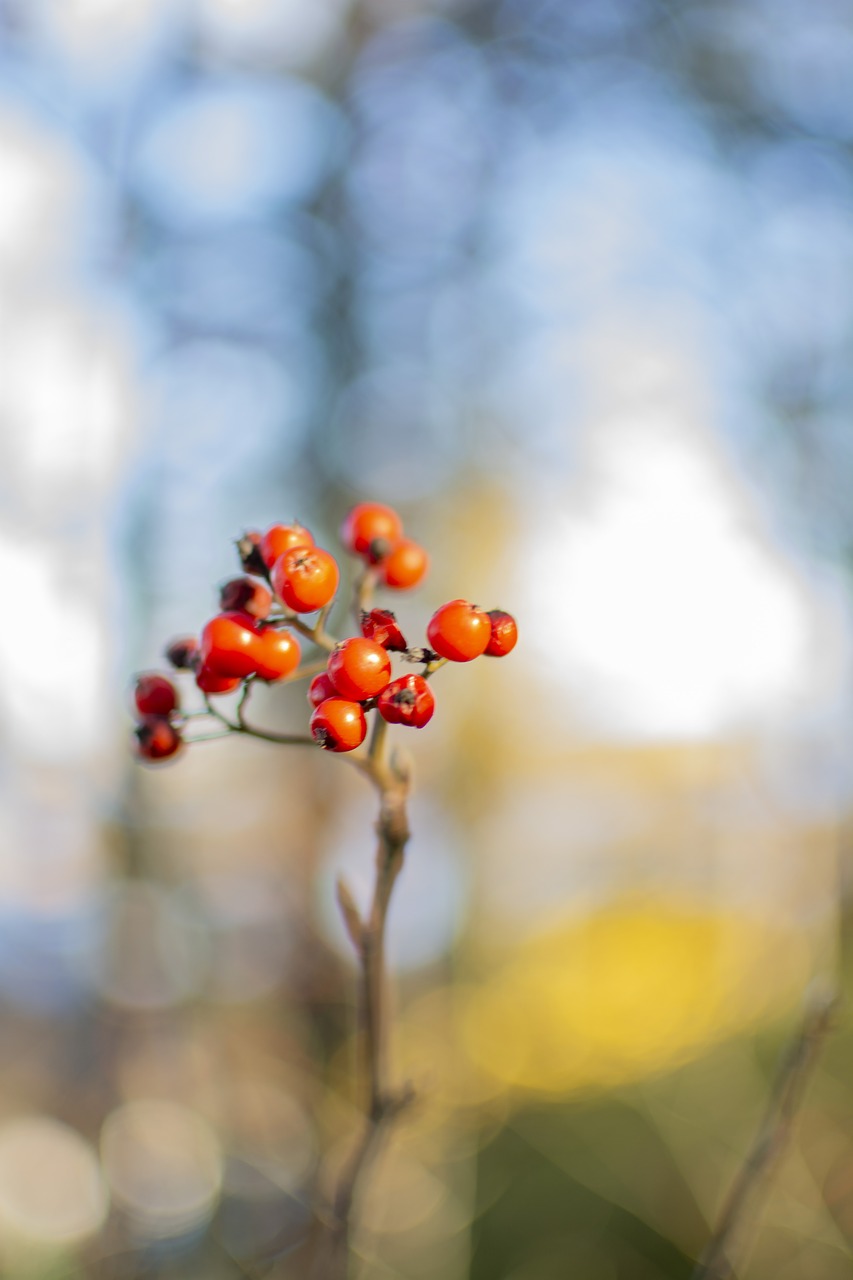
[(381, 1103), (363, 589), (770, 1143)]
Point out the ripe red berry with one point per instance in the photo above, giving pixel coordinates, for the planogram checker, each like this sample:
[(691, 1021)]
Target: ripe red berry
[(459, 631), (157, 739), (183, 653), (230, 645), (280, 538), (381, 625), (408, 700), (405, 566), (278, 654), (154, 695), (371, 530), (359, 668), (209, 682), (338, 725), (320, 689), (306, 578), (245, 595), (504, 633)]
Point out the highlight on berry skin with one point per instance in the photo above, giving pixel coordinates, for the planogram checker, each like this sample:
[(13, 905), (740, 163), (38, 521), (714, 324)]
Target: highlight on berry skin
[(339, 724), (264, 632), (459, 631)]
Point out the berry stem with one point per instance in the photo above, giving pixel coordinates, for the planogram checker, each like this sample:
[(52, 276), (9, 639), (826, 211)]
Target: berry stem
[(249, 731), (317, 633), (381, 1103), (362, 596)]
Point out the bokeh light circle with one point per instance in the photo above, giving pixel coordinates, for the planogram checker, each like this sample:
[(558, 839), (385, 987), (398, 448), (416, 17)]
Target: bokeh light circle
[(51, 1190), (164, 1166)]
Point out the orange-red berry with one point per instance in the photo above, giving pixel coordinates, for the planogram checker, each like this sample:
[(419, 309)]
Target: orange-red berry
[(504, 633), (230, 645), (459, 631), (359, 668), (157, 739), (277, 655), (305, 578), (245, 595), (338, 725), (280, 538), (381, 625), (408, 700), (320, 689), (405, 566), (371, 530), (155, 695), (209, 682), (183, 653), (249, 551)]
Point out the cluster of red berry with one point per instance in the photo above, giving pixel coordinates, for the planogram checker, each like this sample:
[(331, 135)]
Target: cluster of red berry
[(252, 638)]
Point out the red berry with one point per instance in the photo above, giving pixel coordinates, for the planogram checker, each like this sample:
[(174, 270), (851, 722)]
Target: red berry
[(157, 739), (371, 530), (306, 578), (459, 631), (209, 682), (183, 653), (320, 689), (405, 566), (381, 625), (245, 595), (504, 634), (338, 725), (408, 700), (278, 654), (249, 551), (359, 668), (230, 645), (280, 538), (154, 695)]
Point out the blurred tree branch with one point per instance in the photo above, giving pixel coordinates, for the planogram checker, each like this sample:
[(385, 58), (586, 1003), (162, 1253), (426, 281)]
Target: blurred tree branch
[(771, 1141)]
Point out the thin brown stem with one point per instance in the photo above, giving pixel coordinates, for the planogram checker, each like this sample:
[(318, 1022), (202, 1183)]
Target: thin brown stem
[(770, 1142), (250, 731), (381, 1103), (317, 633), (363, 589)]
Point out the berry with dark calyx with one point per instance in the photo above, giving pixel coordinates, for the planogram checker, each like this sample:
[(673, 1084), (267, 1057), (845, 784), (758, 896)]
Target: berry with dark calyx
[(359, 668), (278, 654), (245, 595), (338, 725), (371, 530), (381, 625), (155, 695), (405, 566), (408, 700), (230, 645), (249, 551), (459, 631), (157, 739), (183, 653), (209, 682), (320, 689), (504, 634), (280, 538), (305, 578)]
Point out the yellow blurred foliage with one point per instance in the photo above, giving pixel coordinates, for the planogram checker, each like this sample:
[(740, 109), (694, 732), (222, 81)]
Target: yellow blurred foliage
[(630, 990)]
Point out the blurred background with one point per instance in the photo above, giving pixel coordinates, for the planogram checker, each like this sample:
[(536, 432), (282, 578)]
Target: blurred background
[(571, 284)]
